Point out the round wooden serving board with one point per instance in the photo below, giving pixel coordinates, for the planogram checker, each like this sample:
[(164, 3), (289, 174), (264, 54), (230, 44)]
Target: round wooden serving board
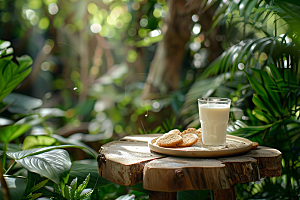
[(197, 150)]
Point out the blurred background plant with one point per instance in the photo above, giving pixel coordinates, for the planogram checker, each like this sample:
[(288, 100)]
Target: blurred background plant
[(109, 68)]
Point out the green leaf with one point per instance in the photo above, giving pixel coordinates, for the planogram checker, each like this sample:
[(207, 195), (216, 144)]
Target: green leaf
[(73, 185), (258, 87), (85, 147), (266, 82), (82, 186), (31, 181), (11, 132), (21, 102), (126, 197), (294, 2), (249, 9), (54, 164), (34, 196), (81, 169), (56, 188), (256, 100), (38, 186), (231, 7), (24, 62), (31, 142), (243, 6), (250, 131), (86, 195), (261, 116), (32, 120), (10, 147), (12, 75), (292, 9), (215, 23), (67, 192), (4, 44), (16, 186), (31, 152)]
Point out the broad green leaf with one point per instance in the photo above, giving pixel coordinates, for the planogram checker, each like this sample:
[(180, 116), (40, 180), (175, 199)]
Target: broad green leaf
[(16, 186), (80, 170), (31, 152), (31, 142), (69, 141), (22, 102), (126, 197), (24, 62), (54, 164), (11, 132), (10, 147), (11, 75)]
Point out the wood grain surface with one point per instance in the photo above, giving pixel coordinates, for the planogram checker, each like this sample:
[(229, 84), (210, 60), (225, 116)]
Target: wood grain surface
[(130, 161)]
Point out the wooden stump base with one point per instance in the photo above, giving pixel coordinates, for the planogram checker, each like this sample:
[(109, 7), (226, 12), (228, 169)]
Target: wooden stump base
[(130, 161), (225, 194), (154, 195)]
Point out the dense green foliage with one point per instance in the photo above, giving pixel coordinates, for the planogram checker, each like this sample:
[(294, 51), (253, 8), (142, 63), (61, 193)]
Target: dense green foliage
[(266, 97)]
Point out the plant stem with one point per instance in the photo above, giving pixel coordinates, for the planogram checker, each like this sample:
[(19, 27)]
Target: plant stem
[(11, 167), (62, 188), (4, 187), (4, 156)]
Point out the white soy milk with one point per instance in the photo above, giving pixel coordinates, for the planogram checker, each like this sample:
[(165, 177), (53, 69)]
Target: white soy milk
[(214, 119)]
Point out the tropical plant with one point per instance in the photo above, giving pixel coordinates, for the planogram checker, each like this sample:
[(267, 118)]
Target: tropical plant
[(50, 161), (266, 104)]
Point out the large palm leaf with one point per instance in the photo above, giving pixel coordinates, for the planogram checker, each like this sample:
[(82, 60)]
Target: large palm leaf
[(281, 52)]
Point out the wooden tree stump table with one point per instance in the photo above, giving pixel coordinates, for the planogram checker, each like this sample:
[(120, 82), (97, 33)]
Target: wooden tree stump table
[(130, 161)]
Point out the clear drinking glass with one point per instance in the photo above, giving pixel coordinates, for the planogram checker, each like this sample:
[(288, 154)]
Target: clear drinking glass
[(214, 115)]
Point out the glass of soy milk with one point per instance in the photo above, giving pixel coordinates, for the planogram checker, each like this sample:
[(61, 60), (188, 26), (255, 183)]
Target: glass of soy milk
[(214, 115)]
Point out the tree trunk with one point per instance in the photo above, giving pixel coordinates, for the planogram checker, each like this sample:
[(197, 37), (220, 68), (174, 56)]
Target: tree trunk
[(165, 68)]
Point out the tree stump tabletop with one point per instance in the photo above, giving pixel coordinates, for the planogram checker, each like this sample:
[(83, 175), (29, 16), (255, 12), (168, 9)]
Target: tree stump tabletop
[(129, 161)]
